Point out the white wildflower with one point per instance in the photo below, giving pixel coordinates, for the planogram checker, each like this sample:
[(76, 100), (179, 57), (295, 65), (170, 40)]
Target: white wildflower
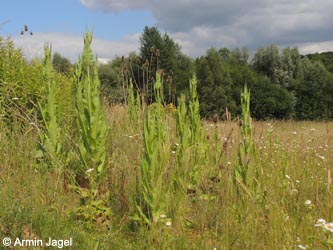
[(168, 223), (320, 222), (287, 176), (89, 170), (329, 226), (325, 225), (307, 203), (163, 216), (321, 157)]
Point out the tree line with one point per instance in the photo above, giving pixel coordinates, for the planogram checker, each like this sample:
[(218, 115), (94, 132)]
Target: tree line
[(284, 84)]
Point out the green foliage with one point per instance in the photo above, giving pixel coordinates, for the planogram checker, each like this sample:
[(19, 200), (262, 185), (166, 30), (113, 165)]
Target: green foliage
[(159, 51), (134, 106), (62, 64), (326, 58), (90, 117), (284, 85), (215, 84), (291, 160), (183, 136), (111, 78), (306, 85), (50, 136), (92, 207), (190, 143), (271, 100), (314, 93), (196, 133), (92, 138), (241, 177), (268, 61), (151, 205), (20, 87)]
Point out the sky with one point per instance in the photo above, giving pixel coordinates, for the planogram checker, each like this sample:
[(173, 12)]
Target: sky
[(195, 24)]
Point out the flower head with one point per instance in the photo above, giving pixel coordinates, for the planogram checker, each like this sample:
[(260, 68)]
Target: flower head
[(307, 203), (89, 170), (329, 226), (325, 225), (168, 223)]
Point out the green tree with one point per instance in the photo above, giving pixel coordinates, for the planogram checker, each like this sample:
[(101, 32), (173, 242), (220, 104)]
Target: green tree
[(159, 51), (314, 93), (214, 84), (268, 62), (111, 81), (271, 100), (326, 58), (62, 64)]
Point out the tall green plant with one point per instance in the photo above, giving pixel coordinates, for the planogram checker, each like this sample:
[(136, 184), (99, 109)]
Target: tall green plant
[(196, 133), (134, 105), (191, 144), (90, 118), (92, 137), (183, 143), (153, 189), (243, 175), (50, 145)]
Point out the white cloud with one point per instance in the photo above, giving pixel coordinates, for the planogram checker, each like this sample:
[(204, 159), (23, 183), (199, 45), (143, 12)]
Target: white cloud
[(71, 45), (308, 48), (198, 24)]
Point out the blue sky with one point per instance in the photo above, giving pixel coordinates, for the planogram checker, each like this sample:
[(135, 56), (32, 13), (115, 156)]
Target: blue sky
[(70, 16), (195, 24)]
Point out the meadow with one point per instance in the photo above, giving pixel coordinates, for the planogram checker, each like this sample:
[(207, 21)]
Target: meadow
[(295, 163), (157, 176)]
